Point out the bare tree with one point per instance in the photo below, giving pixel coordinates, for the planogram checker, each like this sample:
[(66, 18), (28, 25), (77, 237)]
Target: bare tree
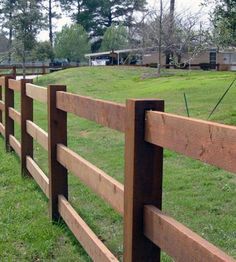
[(186, 41)]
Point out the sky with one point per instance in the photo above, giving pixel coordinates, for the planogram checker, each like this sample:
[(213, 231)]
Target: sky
[(190, 5)]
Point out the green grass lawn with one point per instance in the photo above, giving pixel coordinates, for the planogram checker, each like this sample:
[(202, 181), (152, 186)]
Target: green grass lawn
[(200, 196)]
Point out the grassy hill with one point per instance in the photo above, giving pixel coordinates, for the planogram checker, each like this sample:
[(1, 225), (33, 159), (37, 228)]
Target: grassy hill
[(200, 196)]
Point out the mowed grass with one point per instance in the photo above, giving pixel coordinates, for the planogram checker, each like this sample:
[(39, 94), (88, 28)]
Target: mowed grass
[(200, 196)]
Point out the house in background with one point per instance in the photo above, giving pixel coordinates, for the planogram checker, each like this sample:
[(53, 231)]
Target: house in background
[(114, 57), (213, 59), (223, 60)]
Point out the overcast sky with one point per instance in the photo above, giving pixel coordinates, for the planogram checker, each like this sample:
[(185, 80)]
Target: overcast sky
[(191, 5)]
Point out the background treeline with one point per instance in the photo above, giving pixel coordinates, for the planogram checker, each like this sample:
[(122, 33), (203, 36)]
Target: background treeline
[(99, 25)]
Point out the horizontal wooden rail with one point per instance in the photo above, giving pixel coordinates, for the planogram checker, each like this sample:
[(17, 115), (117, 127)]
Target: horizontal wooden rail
[(14, 85), (15, 144), (2, 106), (38, 93), (177, 240), (39, 176), (105, 186), (15, 115), (89, 241), (105, 113), (2, 129), (209, 142), (37, 133)]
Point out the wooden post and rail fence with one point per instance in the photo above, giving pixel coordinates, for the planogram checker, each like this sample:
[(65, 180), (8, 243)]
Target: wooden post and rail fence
[(147, 230)]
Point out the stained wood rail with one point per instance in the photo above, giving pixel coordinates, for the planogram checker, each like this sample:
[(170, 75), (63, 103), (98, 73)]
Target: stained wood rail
[(37, 133), (2, 129), (90, 242), (15, 115), (177, 240), (105, 113), (147, 230), (36, 92), (15, 144), (2, 106), (102, 184), (15, 85), (209, 142), (39, 176)]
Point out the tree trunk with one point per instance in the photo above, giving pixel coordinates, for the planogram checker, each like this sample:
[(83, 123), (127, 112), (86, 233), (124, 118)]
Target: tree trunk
[(172, 10), (23, 63), (10, 45), (78, 12), (171, 24), (160, 38), (50, 22), (10, 35)]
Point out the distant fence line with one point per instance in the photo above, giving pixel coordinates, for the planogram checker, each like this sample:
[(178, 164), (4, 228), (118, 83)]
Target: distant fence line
[(32, 69), (43, 69), (147, 230)]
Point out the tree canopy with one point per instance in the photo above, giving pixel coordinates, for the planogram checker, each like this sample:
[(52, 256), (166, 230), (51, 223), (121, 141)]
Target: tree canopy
[(224, 21), (115, 37), (72, 43), (96, 15)]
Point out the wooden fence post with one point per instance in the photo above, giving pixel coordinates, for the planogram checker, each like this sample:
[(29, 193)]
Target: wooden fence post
[(57, 134), (26, 114), (143, 181), (1, 113), (9, 102)]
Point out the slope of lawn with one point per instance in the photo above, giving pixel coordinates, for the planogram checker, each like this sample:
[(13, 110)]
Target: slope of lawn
[(200, 196)]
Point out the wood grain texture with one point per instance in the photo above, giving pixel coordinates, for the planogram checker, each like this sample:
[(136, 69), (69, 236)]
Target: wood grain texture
[(177, 240), (57, 134), (2, 81), (2, 106), (209, 142), (2, 129), (9, 123), (15, 85), (89, 241), (37, 133), (38, 175), (143, 181), (15, 144), (105, 186), (15, 115), (26, 139), (105, 113), (38, 93)]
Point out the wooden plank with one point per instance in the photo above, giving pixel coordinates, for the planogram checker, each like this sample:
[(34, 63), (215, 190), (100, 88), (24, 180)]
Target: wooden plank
[(105, 186), (89, 241), (105, 113), (39, 176), (177, 240), (2, 106), (9, 123), (2, 129), (38, 93), (26, 139), (15, 85), (57, 134), (2, 81), (37, 133), (209, 142), (15, 144), (143, 181), (15, 115)]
